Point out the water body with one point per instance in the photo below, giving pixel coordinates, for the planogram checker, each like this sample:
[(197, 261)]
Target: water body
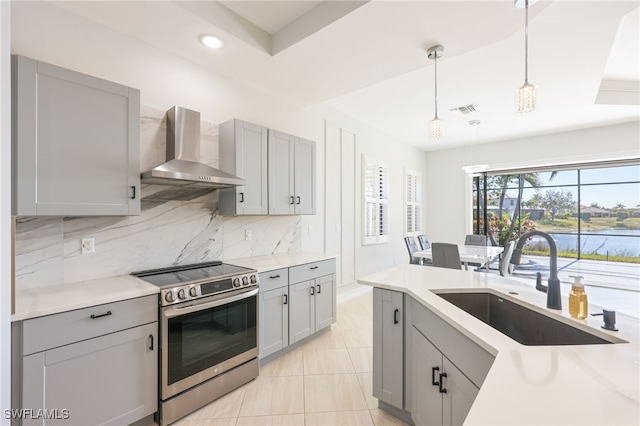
[(626, 243)]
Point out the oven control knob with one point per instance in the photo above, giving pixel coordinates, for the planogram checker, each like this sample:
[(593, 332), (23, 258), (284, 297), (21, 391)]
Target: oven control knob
[(236, 282), (193, 292), (169, 296), (254, 279), (245, 281), (181, 294)]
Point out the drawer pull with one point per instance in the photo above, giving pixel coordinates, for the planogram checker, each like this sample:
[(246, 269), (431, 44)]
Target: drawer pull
[(274, 276), (93, 316), (314, 267)]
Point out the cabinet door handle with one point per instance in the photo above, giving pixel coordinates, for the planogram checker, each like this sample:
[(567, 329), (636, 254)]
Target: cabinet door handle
[(133, 192), (442, 389), (433, 376), (93, 316), (313, 290), (395, 316), (151, 342), (291, 201), (286, 298), (274, 276), (298, 197), (314, 267), (242, 197), (319, 289)]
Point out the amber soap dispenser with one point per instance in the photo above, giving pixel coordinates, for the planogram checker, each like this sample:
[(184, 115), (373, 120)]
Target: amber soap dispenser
[(578, 306)]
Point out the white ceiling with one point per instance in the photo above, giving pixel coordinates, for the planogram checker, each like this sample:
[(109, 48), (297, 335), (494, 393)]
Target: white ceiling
[(367, 58)]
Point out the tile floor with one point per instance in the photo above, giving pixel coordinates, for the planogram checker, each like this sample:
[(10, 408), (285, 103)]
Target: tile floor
[(325, 382)]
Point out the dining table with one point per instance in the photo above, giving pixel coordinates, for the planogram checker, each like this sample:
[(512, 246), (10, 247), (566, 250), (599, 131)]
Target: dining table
[(477, 255)]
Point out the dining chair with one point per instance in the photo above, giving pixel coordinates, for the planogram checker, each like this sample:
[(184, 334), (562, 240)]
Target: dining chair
[(412, 247), (506, 267), (445, 255), (424, 242), (475, 240)]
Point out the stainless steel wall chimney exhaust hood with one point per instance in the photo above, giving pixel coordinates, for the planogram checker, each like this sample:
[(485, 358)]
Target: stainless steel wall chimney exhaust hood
[(183, 166)]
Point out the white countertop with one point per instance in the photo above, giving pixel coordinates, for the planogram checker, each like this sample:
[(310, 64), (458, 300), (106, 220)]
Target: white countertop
[(40, 301), (279, 260), (53, 299), (534, 385)]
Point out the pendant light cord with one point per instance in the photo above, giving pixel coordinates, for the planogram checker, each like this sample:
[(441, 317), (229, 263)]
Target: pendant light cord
[(526, 41), (435, 58)]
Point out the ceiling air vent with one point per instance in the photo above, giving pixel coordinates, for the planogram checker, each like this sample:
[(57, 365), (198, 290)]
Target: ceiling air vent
[(463, 110)]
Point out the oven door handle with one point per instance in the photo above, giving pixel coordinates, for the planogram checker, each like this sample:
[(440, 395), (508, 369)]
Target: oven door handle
[(174, 312)]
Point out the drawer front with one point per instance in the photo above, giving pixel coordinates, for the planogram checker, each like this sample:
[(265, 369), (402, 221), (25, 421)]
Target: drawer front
[(309, 271), (274, 279), (52, 331)]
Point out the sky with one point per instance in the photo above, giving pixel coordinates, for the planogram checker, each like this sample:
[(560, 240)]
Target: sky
[(615, 185)]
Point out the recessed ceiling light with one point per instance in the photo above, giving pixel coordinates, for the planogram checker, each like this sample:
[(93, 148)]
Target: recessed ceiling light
[(211, 41)]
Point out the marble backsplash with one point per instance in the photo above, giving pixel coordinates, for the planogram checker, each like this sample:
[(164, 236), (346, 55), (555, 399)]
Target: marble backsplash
[(48, 249)]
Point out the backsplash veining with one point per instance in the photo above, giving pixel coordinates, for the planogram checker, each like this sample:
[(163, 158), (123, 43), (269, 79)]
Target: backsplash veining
[(166, 233)]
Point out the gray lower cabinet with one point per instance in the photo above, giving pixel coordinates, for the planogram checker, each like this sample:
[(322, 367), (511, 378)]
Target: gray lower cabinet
[(388, 357), (91, 366), (274, 311), (442, 394), (295, 303), (312, 294), (76, 143), (447, 369)]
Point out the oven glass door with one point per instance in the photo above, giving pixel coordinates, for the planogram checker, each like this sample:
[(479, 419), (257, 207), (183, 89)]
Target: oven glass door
[(205, 342)]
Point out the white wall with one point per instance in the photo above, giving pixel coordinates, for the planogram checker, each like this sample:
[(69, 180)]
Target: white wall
[(5, 212), (449, 200)]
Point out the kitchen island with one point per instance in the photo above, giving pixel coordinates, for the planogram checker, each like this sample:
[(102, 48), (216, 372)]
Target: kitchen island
[(567, 384)]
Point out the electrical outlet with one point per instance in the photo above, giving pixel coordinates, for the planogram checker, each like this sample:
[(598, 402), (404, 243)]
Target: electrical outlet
[(247, 235), (88, 245)]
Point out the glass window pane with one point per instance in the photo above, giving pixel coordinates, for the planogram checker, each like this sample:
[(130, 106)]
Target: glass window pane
[(610, 174), (553, 178), (597, 245)]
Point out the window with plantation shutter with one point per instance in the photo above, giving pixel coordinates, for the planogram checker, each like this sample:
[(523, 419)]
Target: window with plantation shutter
[(375, 190), (412, 202)]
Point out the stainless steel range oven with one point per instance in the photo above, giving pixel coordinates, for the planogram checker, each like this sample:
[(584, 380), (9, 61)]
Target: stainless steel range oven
[(208, 333)]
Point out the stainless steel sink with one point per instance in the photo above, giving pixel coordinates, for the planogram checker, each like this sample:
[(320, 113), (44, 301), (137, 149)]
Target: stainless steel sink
[(520, 323)]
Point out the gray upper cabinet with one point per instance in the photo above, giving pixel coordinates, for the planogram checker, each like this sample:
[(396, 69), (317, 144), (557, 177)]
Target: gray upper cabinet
[(243, 153), (305, 176), (281, 173), (279, 170), (75, 141), (292, 174)]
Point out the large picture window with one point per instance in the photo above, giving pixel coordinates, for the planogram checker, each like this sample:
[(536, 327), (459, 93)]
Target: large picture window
[(592, 211), (375, 211)]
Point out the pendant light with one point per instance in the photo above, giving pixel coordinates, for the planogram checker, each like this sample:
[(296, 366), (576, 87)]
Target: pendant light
[(435, 127), (527, 100)]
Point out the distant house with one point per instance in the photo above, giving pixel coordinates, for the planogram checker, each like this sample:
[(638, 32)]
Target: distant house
[(595, 211)]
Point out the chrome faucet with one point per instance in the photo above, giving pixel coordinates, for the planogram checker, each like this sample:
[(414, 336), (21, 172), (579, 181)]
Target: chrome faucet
[(553, 283)]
